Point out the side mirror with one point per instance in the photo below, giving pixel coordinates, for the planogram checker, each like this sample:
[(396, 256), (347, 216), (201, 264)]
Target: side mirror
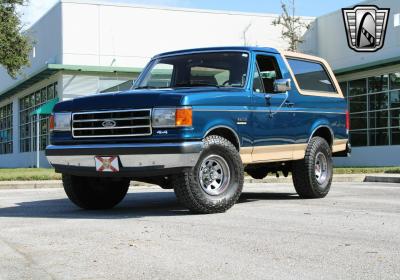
[(282, 85)]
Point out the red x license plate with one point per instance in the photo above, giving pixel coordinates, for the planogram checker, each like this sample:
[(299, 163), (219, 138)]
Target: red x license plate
[(107, 164)]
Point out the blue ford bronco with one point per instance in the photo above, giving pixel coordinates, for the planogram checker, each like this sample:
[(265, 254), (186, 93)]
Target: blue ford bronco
[(196, 121)]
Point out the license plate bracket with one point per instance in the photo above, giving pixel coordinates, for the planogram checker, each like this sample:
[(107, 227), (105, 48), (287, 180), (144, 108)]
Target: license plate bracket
[(107, 163)]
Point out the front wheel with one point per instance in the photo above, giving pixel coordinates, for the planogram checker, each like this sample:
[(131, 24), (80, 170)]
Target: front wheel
[(216, 182), (95, 193), (312, 176)]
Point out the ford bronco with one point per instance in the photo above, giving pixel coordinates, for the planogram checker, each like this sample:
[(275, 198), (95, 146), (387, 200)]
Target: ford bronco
[(196, 121)]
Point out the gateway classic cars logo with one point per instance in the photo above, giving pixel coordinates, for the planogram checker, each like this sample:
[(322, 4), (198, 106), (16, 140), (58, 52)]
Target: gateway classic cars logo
[(365, 27)]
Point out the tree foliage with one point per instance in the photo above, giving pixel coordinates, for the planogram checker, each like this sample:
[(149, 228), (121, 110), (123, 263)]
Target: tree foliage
[(15, 46), (292, 26)]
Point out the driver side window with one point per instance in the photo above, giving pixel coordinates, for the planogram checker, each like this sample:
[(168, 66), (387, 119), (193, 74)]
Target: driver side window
[(267, 72)]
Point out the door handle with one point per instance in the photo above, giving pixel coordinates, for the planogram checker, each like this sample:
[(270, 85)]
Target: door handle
[(268, 99), (289, 104)]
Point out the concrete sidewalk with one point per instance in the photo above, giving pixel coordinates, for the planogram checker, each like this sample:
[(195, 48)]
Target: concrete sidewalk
[(350, 178)]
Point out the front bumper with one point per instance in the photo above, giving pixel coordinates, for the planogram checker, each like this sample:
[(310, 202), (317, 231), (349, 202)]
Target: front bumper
[(135, 160)]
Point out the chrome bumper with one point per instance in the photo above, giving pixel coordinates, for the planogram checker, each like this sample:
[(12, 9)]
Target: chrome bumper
[(134, 158)]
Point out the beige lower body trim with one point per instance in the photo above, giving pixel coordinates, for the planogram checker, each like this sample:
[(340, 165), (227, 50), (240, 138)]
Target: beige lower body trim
[(245, 154), (276, 153), (272, 153), (339, 145)]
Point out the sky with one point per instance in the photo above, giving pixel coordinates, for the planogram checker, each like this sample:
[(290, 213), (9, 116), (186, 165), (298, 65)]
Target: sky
[(37, 8)]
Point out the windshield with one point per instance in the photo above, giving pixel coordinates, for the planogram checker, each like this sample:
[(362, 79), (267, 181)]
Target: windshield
[(221, 69)]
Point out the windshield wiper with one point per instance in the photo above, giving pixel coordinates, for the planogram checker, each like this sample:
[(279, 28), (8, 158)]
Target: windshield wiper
[(146, 87), (197, 85)]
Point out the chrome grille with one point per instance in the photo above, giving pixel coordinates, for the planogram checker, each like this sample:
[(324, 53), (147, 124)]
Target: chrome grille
[(122, 123)]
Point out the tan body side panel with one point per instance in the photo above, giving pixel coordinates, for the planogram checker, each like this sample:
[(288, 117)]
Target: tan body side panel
[(277, 153)]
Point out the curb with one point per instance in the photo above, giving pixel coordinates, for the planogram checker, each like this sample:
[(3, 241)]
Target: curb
[(383, 178), (354, 178)]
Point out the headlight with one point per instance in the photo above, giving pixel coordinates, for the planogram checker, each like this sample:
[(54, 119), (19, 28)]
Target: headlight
[(60, 122), (172, 117)]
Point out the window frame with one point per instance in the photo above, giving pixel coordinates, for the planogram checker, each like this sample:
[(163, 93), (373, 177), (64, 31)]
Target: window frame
[(277, 67), (313, 59), (8, 108)]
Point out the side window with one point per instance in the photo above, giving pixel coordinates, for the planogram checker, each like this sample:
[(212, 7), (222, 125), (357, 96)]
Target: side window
[(311, 75), (257, 82), (268, 72)]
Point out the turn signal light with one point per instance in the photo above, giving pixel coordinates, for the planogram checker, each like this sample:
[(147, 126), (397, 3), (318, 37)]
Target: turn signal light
[(184, 117), (51, 122), (347, 120)]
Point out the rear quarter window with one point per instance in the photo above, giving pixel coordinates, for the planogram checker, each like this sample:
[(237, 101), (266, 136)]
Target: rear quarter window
[(311, 76)]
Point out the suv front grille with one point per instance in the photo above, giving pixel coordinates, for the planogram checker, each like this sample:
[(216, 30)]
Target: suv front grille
[(123, 123)]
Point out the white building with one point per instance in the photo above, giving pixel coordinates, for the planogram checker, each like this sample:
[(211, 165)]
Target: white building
[(85, 47), (371, 82)]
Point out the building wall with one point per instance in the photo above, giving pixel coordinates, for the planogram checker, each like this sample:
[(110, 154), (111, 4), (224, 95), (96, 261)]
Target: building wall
[(327, 38), (371, 156), (47, 37), (127, 35)]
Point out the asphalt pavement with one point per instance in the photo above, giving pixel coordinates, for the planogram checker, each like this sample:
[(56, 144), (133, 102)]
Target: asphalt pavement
[(353, 233)]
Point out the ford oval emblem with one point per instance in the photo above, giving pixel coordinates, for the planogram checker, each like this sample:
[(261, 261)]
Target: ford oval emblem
[(109, 123)]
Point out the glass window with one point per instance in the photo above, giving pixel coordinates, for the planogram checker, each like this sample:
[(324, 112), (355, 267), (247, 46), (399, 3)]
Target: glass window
[(269, 71), (222, 69), (121, 86), (257, 82), (378, 137), (27, 128), (160, 76), (378, 101), (358, 104), (395, 99), (378, 83), (357, 87), (378, 119), (395, 80), (358, 138), (311, 75), (395, 117), (395, 131), (358, 121), (6, 129)]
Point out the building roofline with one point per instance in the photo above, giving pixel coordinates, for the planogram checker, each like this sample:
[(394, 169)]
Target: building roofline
[(367, 66), (51, 69), (171, 8)]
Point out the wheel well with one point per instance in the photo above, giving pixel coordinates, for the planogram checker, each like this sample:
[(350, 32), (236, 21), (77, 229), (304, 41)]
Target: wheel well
[(227, 134), (324, 132)]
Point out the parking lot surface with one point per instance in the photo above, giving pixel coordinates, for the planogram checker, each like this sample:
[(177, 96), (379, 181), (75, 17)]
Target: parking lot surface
[(354, 233)]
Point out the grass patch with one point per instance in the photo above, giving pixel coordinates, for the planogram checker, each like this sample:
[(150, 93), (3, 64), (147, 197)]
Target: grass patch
[(28, 174), (365, 170)]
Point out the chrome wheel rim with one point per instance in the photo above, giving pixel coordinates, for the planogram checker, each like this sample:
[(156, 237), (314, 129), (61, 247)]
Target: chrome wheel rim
[(321, 168), (214, 175)]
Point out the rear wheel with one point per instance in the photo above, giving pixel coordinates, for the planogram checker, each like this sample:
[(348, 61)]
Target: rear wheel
[(216, 182), (95, 193), (312, 176)]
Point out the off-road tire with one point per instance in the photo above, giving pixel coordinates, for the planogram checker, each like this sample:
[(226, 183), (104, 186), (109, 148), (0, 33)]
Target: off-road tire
[(187, 185), (303, 173), (95, 193)]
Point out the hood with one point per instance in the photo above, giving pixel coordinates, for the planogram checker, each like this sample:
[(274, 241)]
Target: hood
[(136, 99)]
